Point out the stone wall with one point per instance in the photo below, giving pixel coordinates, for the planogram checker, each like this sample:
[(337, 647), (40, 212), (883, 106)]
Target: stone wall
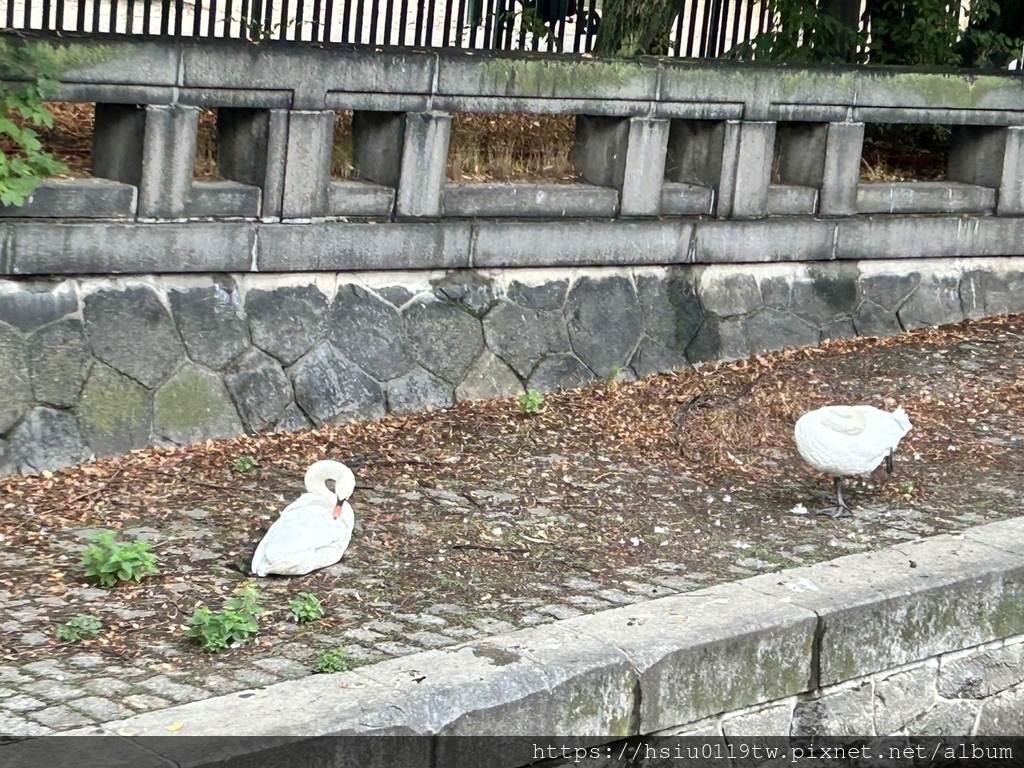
[(721, 213), (99, 366)]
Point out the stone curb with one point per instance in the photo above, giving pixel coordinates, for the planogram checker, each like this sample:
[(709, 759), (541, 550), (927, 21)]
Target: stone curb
[(642, 668)]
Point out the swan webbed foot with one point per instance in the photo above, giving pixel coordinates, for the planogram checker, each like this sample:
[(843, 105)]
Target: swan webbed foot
[(836, 511)]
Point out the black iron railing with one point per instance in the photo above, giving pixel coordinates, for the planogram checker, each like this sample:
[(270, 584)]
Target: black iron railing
[(704, 28)]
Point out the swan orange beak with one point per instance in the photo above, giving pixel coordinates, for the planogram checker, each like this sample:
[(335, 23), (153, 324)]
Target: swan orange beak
[(337, 510)]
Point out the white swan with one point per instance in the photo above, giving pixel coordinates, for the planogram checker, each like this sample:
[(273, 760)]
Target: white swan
[(314, 530), (844, 440)]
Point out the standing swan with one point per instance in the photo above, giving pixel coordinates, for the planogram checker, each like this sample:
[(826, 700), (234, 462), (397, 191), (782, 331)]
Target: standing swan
[(845, 440), (313, 531)]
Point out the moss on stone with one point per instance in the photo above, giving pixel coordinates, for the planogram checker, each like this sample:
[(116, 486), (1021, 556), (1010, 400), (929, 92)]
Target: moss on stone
[(112, 403), (189, 401), (543, 77)]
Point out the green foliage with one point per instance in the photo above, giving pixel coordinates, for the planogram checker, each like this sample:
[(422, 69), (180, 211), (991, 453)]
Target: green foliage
[(306, 608), (238, 621), (802, 33), (245, 464), (80, 628), (334, 660), (28, 74), (531, 401), (108, 561)]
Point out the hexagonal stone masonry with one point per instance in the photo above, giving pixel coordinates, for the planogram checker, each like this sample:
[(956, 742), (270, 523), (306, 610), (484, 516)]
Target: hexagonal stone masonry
[(211, 322), (825, 293), (132, 331), (671, 308), (47, 439), (445, 339), (194, 405), (523, 337), (418, 390), (370, 332), (15, 387), (329, 388), (115, 412), (32, 304), (546, 296), (559, 372), (58, 358), (488, 377), (260, 389), (287, 322), (604, 321)]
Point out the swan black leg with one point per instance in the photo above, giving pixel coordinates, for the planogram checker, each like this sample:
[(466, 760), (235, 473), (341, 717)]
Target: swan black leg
[(840, 509), (889, 467)]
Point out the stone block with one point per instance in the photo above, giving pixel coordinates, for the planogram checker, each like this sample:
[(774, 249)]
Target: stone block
[(47, 439), (791, 200), (467, 289), (77, 199), (287, 322), (579, 244), (604, 320), (15, 382), (835, 713), (250, 144), (906, 237), (418, 390), (947, 718), (168, 156), (345, 246), (1003, 714), (522, 337), (260, 389), (600, 149), (872, 320), (307, 164), (359, 198), (370, 332), (888, 289), (131, 330), (651, 357), (841, 172), (488, 377), (719, 339), (825, 292), (109, 248), (753, 169), (727, 292), (559, 371), (1011, 184), (644, 167), (924, 197), (771, 329), (762, 651), (115, 413), (193, 406), (686, 200), (530, 200), (773, 720), (377, 141), (888, 608), (444, 339), (672, 310), (935, 301), (549, 295), (982, 673), (211, 323), (424, 160), (721, 242), (902, 698), (222, 198), (330, 389), (58, 359), (293, 420), (29, 304)]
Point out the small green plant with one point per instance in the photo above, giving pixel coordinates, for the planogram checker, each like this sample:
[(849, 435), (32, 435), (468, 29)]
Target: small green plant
[(238, 621), (108, 561), (244, 464), (531, 401), (29, 80), (80, 628), (334, 660), (306, 608)]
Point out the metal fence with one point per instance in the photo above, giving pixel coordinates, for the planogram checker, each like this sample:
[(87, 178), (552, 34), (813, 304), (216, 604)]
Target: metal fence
[(704, 28)]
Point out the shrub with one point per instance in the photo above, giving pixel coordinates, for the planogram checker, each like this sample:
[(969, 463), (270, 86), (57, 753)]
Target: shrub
[(306, 608), (235, 624), (531, 401), (108, 561), (245, 464), (80, 628), (334, 660)]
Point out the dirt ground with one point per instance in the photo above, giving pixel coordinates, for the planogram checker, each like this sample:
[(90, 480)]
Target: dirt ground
[(481, 518)]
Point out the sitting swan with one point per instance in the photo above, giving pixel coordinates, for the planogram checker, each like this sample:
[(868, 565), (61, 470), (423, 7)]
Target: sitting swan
[(313, 531), (845, 440)]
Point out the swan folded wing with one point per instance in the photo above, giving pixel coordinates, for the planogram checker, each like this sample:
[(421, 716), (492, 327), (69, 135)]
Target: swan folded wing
[(300, 541), (842, 420)]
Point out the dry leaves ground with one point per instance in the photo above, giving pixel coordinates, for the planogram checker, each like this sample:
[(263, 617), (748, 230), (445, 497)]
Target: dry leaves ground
[(479, 518)]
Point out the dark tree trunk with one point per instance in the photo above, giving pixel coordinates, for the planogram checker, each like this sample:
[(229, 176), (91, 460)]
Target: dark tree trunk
[(631, 27)]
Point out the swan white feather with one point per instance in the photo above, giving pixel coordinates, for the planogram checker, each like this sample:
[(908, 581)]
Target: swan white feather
[(314, 530), (845, 440)]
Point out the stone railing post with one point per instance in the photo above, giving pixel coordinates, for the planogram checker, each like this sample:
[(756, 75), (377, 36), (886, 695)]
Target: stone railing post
[(844, 145), (754, 157), (307, 171)]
